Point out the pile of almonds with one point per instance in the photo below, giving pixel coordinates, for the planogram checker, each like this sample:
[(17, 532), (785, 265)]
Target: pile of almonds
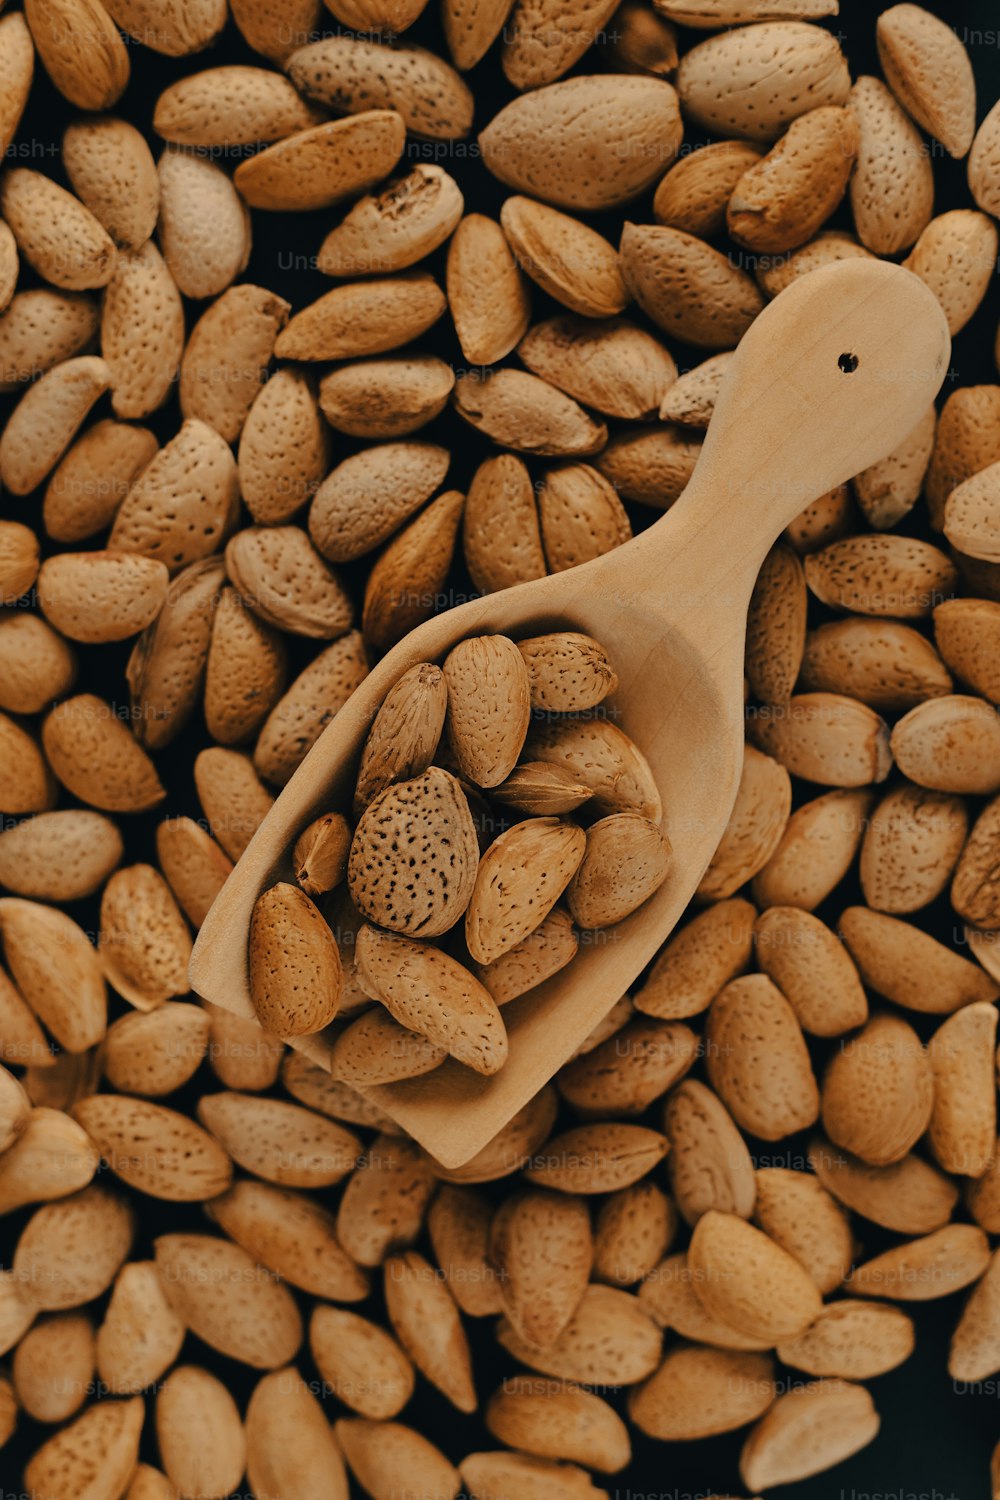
[(423, 856), (224, 1269)]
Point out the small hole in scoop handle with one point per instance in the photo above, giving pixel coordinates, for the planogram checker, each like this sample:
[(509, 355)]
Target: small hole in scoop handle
[(848, 363)]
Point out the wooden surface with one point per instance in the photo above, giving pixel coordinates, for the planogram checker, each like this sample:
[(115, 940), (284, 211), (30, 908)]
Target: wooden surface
[(670, 607)]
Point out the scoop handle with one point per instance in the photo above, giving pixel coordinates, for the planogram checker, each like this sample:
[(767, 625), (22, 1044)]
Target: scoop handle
[(830, 378)]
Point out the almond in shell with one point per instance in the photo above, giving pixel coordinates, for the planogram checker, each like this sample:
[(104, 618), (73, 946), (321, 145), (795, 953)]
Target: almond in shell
[(409, 578), (909, 1197), (710, 1166), (47, 418), (955, 256), (548, 948), (962, 1131), (55, 233), (565, 257), (405, 733), (199, 1432), (909, 966), (69, 1252), (97, 1453), (518, 410), (852, 1340), (699, 1393), (156, 1052), (296, 978), (227, 355), (355, 74), (298, 719), (745, 1278), (175, 28), (145, 944), (913, 840), (489, 706), (626, 1073), (920, 1270), (626, 859), (635, 1227), (17, 67), (928, 69), (97, 597), (888, 666), (878, 1092), (889, 489), (552, 1419), (690, 290), (370, 494), (244, 674), (487, 294), (292, 1235), (597, 1158), (231, 106), (892, 190), (94, 477), (225, 1299), (783, 200), (815, 851), (613, 366), (600, 756), (388, 397), (694, 194), (142, 332), (113, 173), (807, 1430), (698, 960), (581, 516), (429, 1326), (284, 448), (195, 867), (753, 1034), (166, 668), (809, 964), (501, 502), (756, 824), (183, 503), (389, 1459), (154, 1149), (519, 879), (361, 1363), (384, 1201), (459, 1224), (319, 167), (54, 1367), (204, 226), (396, 228), (26, 781), (803, 1218), (609, 1340), (57, 971)]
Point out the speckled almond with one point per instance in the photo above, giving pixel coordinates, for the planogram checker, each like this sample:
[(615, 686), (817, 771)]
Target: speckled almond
[(292, 1235), (568, 259), (910, 967), (245, 671), (284, 448), (17, 67), (597, 1158), (602, 757), (554, 1420), (458, 1223), (428, 1324), (984, 164), (889, 666), (286, 583), (27, 784), (141, 1335), (852, 1340), (811, 967), (321, 166), (699, 1393), (375, 1049), (81, 49), (501, 537), (581, 516), (757, 1059), (487, 294), (752, 83), (199, 1432), (280, 1142), (564, 143), (275, 28), (776, 627), (910, 847), (909, 1197), (785, 199), (548, 948), (955, 256), (97, 1452), (40, 328), (623, 1075), (225, 362), (614, 366), (96, 597), (204, 227), (142, 332), (59, 856), (826, 737), (489, 707), (295, 972), (386, 398), (626, 859), (745, 1278), (394, 229), (69, 1252), (227, 1301), (892, 190), (756, 823), (363, 317), (690, 290), (919, 1270), (713, 947), (975, 893), (541, 1247), (808, 1429), (798, 1213), (520, 878), (361, 1363), (410, 576), (815, 851), (155, 1052), (94, 754), (354, 73), (385, 1199), (878, 1092), (93, 478), (173, 27), (610, 1340), (183, 503), (55, 233), (231, 106), (695, 192), (154, 1149), (928, 69), (387, 1458), (316, 695), (166, 668), (145, 946), (950, 744), (518, 410), (47, 418), (542, 40)]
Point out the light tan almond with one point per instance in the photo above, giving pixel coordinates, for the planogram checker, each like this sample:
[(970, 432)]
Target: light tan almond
[(97, 597), (275, 28), (776, 627), (113, 172), (15, 1110), (597, 1158), (889, 666), (542, 41), (233, 799), (204, 226), (298, 719), (535, 786), (93, 478), (580, 118), (489, 704), (802, 1217), (753, 1034), (369, 495), (26, 781), (59, 856), (312, 1465), (154, 1149), (490, 1476), (56, 969), (702, 956), (357, 74), (966, 441), (567, 259), (970, 515), (19, 558), (878, 1092), (459, 1223), (641, 41), (383, 1204), (962, 1131), (55, 233), (69, 1252), (518, 410), (892, 189), (745, 1278), (225, 1299), (650, 464), (519, 879), (183, 503), (375, 1049), (552, 1419), (175, 28), (852, 1340), (292, 1235), (54, 1367), (909, 966), (284, 448), (695, 192), (36, 666), (698, 1393), (245, 671), (609, 1340), (548, 948), (975, 1345), (910, 848), (964, 631), (828, 248), (889, 489), (709, 1165), (808, 1430), (974, 893), (157, 1052), (51, 1158), (602, 757), (47, 418), (387, 397), (94, 1456), (142, 332), (909, 1197), (928, 69), (626, 859), (775, 72), (826, 737), (231, 106), (984, 163), (691, 399), (410, 577), (166, 668), (756, 824), (199, 1432), (471, 27), (501, 536), (16, 1314), (613, 366), (361, 1363), (194, 866), (428, 1325), (319, 167), (17, 66), (241, 1054), (396, 228), (808, 963), (626, 1073), (487, 294), (690, 290), (581, 516), (145, 945), (668, 1296), (782, 201), (227, 354), (390, 1460), (280, 1142), (634, 1229), (955, 256), (919, 1270), (950, 744)]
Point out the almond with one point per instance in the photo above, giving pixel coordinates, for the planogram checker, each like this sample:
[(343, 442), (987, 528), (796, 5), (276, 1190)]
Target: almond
[(361, 1363), (651, 464), (233, 798), (950, 744), (967, 440), (642, 41), (175, 28), (602, 757), (428, 992), (459, 1225), (955, 256), (487, 294), (702, 956), (517, 410), (354, 73), (973, 891), (970, 521), (195, 867), (816, 850), (19, 559), (612, 365), (808, 963), (199, 1432), (227, 1301), (405, 733), (96, 597), (56, 969), (963, 1123), (241, 1054), (807, 1430), (409, 579), (878, 1092), (375, 1049), (888, 666), (668, 1296), (56, 235), (801, 1216), (610, 1340), (851, 1340), (284, 448), (745, 1278), (889, 489), (16, 1315), (26, 782), (625, 860), (292, 1235), (928, 70), (501, 502), (244, 674), (552, 1419), (776, 627), (54, 1367), (567, 259), (231, 106), (709, 1165), (387, 397), (892, 190), (428, 1325), (783, 200), (95, 475), (534, 786), (694, 194), (384, 1201), (920, 1270), (113, 173), (698, 1393), (909, 1197), (46, 419), (909, 966), (975, 1344), (390, 1460), (298, 719), (689, 290), (625, 1073), (183, 502), (281, 1142), (490, 1476), (276, 27), (204, 227), (51, 1158), (69, 1252), (825, 520), (578, 121), (142, 332), (154, 1149), (832, 246), (225, 362), (321, 166), (389, 16), (488, 709), (548, 948), (471, 27), (774, 73), (520, 878), (826, 737), (17, 67), (401, 225), (910, 848), (752, 1035), (157, 1052), (36, 666), (756, 824), (15, 1110), (369, 495), (634, 1228), (166, 668), (597, 1158), (542, 42), (145, 946), (581, 516), (984, 164), (96, 1454)]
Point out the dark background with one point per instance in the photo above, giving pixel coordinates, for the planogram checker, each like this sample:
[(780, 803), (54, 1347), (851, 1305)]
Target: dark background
[(935, 1441)]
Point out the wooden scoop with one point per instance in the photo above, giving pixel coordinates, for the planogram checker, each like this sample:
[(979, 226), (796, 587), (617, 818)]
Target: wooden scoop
[(831, 377)]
